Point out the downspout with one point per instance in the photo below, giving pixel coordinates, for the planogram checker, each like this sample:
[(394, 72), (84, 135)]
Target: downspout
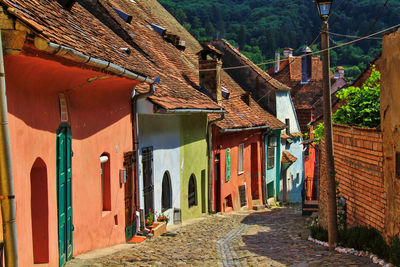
[(135, 130), (211, 162), (263, 168), (7, 196)]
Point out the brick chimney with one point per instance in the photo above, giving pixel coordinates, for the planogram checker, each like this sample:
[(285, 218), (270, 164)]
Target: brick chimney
[(339, 73), (210, 65), (287, 52)]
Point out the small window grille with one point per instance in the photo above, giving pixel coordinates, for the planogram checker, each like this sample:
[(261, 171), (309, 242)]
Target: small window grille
[(271, 152), (398, 164), (297, 178), (287, 121), (166, 195), (241, 159)]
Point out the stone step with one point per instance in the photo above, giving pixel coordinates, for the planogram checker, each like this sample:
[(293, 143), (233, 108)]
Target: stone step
[(258, 207)]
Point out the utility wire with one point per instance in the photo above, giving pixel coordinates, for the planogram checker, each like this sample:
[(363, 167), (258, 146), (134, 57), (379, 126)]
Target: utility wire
[(376, 19), (353, 36), (340, 13), (316, 52)]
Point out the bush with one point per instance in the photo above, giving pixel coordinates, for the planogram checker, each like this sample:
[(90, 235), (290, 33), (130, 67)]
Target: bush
[(395, 252), (319, 233), (365, 239)]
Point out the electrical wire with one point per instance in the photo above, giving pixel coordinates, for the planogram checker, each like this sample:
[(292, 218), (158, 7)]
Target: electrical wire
[(353, 36), (376, 19), (316, 52), (340, 13)]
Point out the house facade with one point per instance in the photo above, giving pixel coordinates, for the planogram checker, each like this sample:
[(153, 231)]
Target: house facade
[(73, 173), (274, 97)]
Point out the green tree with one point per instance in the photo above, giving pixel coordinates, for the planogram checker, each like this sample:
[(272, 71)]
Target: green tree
[(362, 106)]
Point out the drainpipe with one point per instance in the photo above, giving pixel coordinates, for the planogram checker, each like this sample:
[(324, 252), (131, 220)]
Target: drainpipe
[(135, 130), (263, 168), (7, 196), (211, 161)]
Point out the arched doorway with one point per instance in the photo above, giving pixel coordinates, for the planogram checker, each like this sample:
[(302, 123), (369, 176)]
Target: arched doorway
[(166, 195), (40, 212)]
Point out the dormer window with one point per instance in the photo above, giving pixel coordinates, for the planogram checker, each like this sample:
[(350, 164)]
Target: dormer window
[(67, 4), (126, 17)]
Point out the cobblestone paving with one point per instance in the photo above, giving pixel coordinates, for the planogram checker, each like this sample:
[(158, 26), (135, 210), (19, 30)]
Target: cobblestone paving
[(269, 238)]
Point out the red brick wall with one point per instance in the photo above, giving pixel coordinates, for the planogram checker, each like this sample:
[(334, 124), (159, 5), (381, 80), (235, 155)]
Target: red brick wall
[(358, 155)]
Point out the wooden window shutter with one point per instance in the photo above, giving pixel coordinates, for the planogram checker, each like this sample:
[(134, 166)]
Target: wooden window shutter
[(228, 164)]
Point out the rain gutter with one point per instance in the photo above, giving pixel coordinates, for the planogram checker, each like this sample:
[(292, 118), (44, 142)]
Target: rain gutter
[(244, 129), (76, 56), (219, 111)]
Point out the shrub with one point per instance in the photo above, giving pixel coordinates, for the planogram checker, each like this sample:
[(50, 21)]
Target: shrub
[(395, 252), (319, 233)]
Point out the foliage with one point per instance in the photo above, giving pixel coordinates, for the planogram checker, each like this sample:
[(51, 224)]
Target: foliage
[(162, 218), (362, 106), (366, 239), (272, 25), (318, 133), (395, 251), (341, 210), (150, 219), (318, 232)]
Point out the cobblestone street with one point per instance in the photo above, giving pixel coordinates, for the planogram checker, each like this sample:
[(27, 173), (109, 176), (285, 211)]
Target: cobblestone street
[(269, 238)]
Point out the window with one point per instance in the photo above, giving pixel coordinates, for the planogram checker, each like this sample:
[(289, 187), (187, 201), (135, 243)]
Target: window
[(271, 152), (105, 181), (287, 121), (228, 164), (166, 195), (297, 179), (192, 195), (241, 159)]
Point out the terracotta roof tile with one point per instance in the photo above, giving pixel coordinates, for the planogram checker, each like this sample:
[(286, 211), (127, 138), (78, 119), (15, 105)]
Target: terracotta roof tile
[(150, 54), (288, 158)]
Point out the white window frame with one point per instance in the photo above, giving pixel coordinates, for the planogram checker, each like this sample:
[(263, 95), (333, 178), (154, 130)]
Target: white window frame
[(241, 159)]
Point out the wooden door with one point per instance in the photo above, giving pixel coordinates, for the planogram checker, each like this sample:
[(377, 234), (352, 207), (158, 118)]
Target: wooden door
[(217, 175), (147, 164), (130, 195), (64, 193), (254, 172)]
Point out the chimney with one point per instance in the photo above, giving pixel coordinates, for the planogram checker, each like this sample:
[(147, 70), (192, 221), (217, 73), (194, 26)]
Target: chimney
[(277, 61), (210, 65), (287, 52), (67, 4), (339, 73), (306, 64)]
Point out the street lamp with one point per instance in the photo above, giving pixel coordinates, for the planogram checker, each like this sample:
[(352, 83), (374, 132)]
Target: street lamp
[(324, 8)]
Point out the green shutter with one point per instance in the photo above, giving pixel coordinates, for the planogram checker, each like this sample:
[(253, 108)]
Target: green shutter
[(228, 164)]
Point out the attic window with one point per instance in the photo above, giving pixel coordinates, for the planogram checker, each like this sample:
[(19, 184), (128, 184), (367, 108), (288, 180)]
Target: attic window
[(126, 17), (225, 93), (160, 30), (67, 4)]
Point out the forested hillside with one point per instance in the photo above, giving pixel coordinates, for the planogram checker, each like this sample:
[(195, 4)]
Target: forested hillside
[(260, 27)]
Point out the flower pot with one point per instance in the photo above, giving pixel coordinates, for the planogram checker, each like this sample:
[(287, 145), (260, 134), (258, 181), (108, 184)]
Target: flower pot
[(158, 228)]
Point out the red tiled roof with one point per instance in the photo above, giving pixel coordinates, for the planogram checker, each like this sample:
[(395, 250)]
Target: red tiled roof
[(241, 115), (150, 54), (288, 158)]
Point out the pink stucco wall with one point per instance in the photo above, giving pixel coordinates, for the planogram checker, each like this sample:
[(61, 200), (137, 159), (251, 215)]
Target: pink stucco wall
[(100, 122)]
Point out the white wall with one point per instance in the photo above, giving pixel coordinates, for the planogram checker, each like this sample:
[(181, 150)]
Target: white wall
[(162, 133)]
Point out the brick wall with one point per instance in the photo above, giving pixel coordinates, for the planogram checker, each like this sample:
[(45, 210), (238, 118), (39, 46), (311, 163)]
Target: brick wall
[(358, 155)]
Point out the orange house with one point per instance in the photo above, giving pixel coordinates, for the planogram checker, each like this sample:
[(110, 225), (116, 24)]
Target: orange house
[(70, 130)]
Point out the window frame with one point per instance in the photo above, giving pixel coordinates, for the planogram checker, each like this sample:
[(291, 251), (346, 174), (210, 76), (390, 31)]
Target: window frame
[(241, 158), (271, 152)]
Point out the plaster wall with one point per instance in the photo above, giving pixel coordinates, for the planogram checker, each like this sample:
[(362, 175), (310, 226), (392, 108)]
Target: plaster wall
[(33, 85), (285, 110), (194, 160), (390, 125), (251, 173), (162, 132)]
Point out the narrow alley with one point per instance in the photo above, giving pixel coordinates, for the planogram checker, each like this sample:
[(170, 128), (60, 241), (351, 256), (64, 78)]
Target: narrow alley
[(269, 238)]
